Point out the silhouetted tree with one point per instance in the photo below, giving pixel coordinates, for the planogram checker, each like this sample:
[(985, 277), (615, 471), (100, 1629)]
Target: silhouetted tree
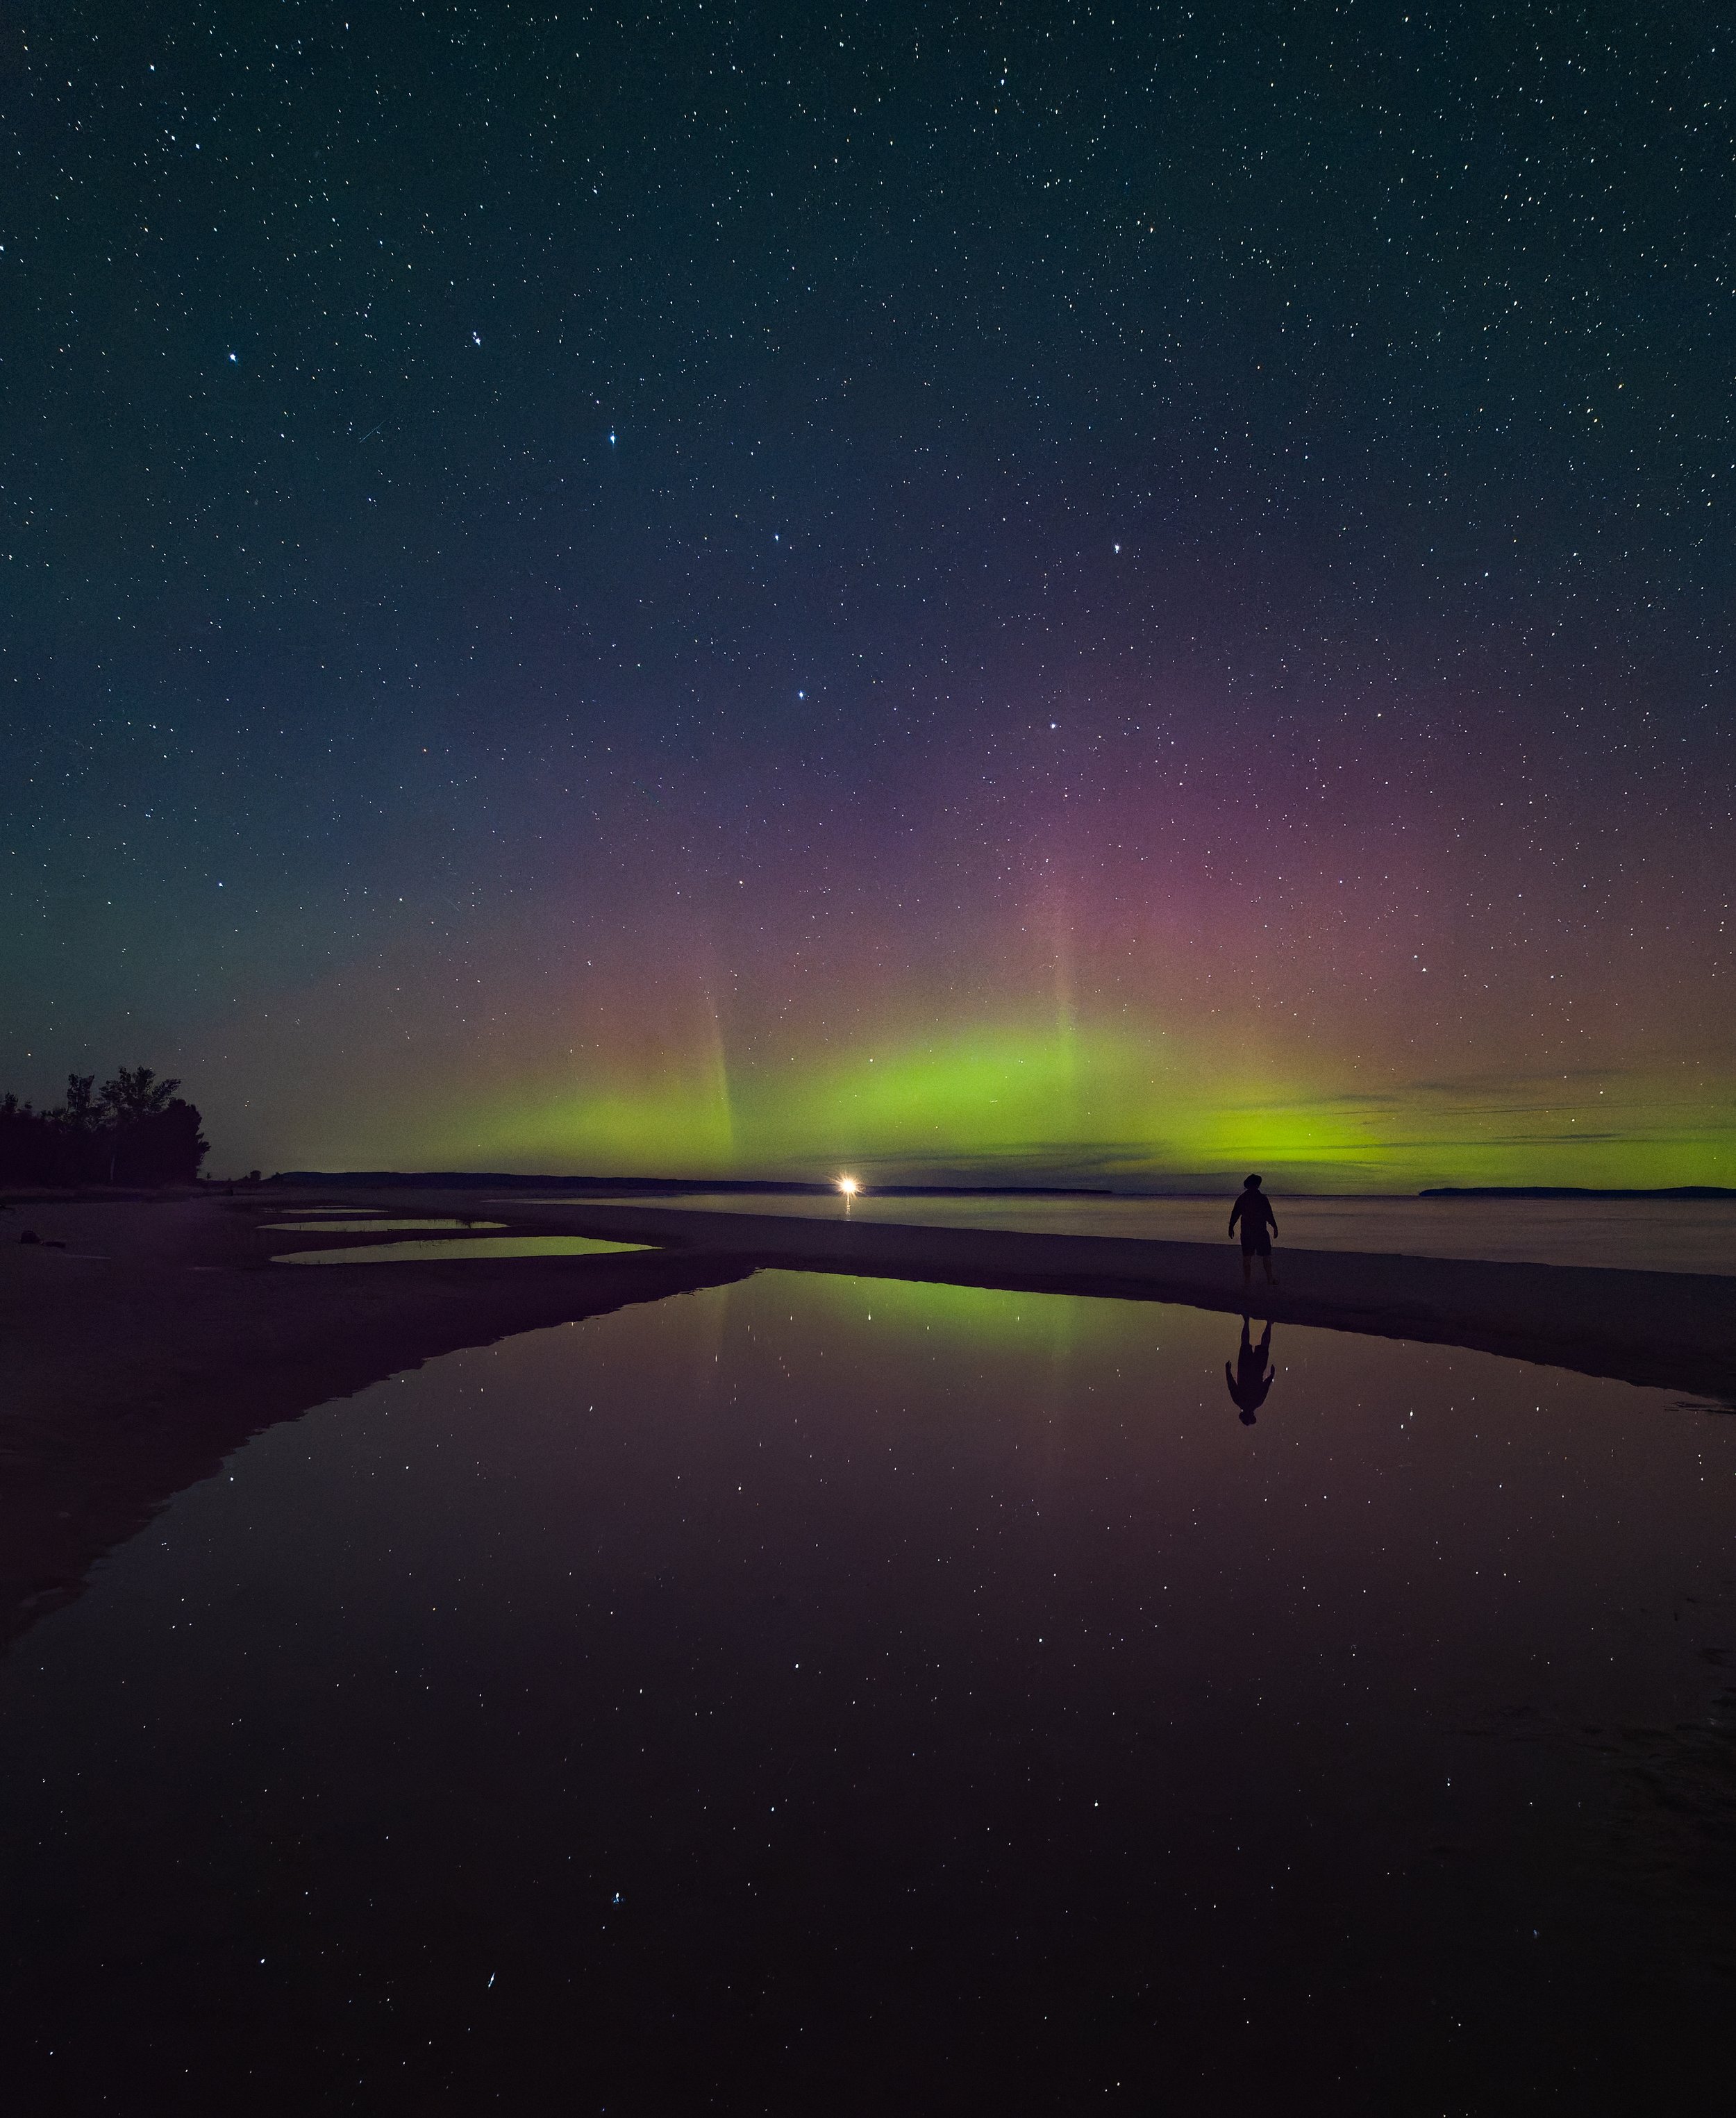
[(82, 1152), (135, 1093), (136, 1131), (132, 1103), (80, 1112), (164, 1146), (30, 1143)]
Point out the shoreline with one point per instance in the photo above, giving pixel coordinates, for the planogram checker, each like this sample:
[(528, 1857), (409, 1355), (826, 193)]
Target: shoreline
[(162, 1339), (1659, 1330), (162, 1336)]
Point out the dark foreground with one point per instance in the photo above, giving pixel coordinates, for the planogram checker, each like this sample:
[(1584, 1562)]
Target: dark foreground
[(776, 1691), (815, 1694)]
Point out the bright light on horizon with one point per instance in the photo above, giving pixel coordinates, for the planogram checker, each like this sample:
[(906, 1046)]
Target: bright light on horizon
[(849, 1187)]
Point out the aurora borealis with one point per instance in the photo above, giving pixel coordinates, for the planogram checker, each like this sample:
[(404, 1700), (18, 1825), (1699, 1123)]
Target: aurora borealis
[(1037, 594)]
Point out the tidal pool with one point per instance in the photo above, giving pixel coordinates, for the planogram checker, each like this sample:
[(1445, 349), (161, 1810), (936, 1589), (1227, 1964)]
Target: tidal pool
[(460, 1247), (827, 1695), (349, 1227)]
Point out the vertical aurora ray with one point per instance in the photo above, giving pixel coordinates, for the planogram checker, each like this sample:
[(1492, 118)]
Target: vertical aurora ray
[(1129, 1031)]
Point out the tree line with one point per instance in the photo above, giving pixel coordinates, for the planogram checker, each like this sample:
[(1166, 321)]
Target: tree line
[(134, 1130)]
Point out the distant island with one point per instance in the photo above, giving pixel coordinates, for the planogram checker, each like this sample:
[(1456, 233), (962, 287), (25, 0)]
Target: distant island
[(1575, 1191)]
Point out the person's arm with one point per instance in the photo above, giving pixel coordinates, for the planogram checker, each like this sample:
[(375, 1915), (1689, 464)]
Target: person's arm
[(1271, 1218), (1235, 1215)]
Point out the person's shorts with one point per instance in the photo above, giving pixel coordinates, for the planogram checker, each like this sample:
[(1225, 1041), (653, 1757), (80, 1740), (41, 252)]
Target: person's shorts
[(1257, 1242)]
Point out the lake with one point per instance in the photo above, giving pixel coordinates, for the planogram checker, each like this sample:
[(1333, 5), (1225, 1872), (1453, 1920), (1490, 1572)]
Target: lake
[(819, 1694), (1658, 1235)]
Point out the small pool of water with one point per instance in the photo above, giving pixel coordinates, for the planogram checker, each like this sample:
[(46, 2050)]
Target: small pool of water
[(448, 1247), (828, 1695), (365, 1228)]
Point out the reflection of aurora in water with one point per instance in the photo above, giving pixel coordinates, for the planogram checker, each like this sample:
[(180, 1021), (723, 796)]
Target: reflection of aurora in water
[(837, 1639), (453, 1249), (336, 1226)]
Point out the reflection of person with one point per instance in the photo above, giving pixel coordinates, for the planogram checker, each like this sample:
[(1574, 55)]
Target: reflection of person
[(1247, 1385), (1253, 1209)]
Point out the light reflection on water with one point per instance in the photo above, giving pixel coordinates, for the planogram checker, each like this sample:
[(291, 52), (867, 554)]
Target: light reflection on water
[(840, 1682)]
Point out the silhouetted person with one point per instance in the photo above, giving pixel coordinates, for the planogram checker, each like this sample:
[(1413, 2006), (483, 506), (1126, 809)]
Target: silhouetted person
[(1247, 1385), (1253, 1209)]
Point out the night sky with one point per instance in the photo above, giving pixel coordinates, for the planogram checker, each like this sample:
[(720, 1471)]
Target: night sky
[(1121, 593)]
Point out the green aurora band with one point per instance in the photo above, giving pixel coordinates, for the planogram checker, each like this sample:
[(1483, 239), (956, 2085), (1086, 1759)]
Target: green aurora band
[(1086, 1105)]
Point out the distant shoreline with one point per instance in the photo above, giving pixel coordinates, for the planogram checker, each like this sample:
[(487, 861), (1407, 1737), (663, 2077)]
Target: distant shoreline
[(1575, 1191), (795, 1187)]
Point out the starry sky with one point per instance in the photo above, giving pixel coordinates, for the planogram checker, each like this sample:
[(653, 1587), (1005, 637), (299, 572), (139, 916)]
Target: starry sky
[(1079, 592)]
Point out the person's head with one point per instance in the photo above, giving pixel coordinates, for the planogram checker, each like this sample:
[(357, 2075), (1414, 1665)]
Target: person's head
[(1250, 1183)]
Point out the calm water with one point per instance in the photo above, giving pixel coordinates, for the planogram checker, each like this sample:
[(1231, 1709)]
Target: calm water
[(331, 1225), (449, 1248), (818, 1694), (1657, 1236)]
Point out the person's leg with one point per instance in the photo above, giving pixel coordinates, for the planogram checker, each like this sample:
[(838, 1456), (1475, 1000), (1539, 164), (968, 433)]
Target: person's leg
[(1247, 1268)]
